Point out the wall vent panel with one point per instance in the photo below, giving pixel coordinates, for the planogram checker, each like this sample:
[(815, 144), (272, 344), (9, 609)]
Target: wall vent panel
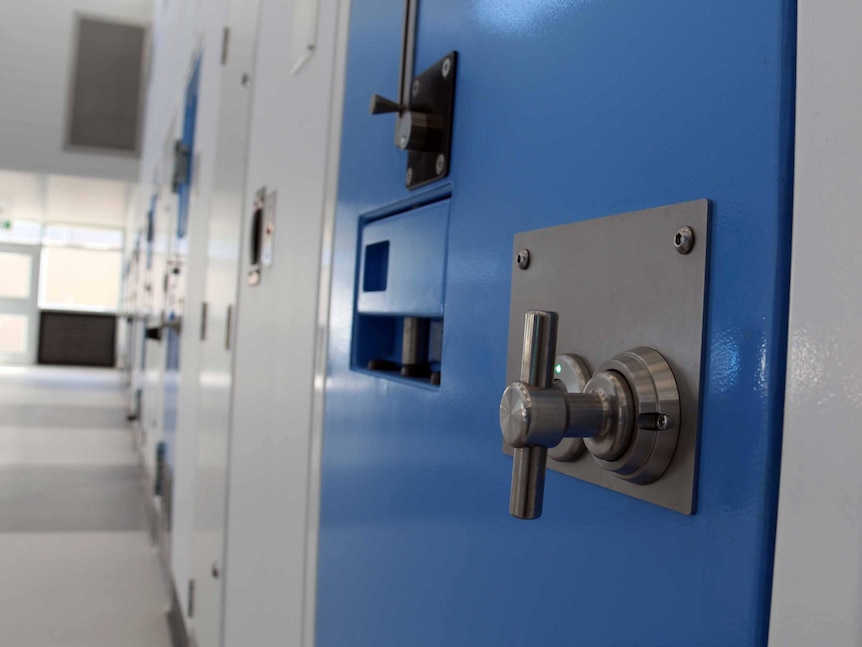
[(105, 101), (77, 339)]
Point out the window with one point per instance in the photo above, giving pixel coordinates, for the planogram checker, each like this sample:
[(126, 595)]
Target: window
[(80, 279), (13, 333), (20, 231), (15, 274), (91, 237)]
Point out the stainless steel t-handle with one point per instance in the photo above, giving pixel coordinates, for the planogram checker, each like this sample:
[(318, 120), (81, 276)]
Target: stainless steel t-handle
[(627, 413), (537, 369)]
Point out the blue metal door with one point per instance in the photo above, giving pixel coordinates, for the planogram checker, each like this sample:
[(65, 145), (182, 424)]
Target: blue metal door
[(564, 111), (175, 279)]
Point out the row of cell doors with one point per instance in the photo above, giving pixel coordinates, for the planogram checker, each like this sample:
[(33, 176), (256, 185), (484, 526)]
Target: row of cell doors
[(19, 312)]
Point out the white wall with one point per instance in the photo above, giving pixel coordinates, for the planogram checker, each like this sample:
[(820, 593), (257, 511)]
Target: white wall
[(36, 53), (817, 594)]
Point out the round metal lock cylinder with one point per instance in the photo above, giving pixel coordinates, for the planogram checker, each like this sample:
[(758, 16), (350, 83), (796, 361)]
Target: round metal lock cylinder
[(626, 415), (419, 131), (655, 393), (616, 434), (600, 414), (570, 372)]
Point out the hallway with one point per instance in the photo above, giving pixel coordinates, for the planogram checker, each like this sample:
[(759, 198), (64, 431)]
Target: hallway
[(79, 569)]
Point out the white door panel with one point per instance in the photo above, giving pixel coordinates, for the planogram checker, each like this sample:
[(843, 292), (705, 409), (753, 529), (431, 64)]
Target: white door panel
[(222, 267)]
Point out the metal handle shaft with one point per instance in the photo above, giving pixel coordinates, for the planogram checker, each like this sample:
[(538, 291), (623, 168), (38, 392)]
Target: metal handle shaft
[(537, 369)]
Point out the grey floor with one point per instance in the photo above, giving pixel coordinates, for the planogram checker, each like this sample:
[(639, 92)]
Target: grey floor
[(77, 567)]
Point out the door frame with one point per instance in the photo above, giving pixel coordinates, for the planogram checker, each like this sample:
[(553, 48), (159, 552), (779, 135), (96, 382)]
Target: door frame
[(28, 306), (816, 594)]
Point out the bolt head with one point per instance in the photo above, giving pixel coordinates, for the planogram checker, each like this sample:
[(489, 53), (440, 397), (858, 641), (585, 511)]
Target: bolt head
[(415, 88), (683, 240), (440, 165), (447, 67), (409, 178), (523, 259)]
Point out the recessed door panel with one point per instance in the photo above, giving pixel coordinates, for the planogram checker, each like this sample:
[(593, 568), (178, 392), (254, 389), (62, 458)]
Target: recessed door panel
[(563, 112)]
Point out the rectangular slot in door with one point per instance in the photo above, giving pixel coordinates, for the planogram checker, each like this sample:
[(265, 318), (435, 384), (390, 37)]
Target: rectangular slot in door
[(398, 320)]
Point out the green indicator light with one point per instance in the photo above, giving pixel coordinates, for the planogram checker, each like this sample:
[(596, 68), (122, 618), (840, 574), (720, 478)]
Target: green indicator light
[(558, 369)]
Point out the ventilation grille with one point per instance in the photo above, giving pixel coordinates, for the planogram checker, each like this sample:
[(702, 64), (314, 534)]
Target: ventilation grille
[(77, 338), (106, 86)]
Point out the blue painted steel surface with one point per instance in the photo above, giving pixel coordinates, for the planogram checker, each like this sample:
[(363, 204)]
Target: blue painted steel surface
[(565, 110), (172, 338), (190, 113), (416, 263)]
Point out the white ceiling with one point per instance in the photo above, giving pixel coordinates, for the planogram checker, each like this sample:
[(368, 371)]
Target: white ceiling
[(37, 47)]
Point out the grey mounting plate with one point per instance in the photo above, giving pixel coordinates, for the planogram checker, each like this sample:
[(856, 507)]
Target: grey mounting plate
[(618, 283)]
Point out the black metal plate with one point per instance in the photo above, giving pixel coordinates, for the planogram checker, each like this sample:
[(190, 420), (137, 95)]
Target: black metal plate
[(435, 94)]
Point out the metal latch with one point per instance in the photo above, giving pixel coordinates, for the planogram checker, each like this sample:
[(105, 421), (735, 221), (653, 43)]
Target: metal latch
[(636, 281), (182, 165), (262, 234), (625, 415), (424, 108)]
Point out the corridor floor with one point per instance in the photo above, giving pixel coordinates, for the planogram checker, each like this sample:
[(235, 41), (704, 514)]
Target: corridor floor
[(77, 567)]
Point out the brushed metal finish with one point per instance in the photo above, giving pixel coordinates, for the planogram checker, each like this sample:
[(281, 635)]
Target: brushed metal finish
[(618, 422), (537, 369), (571, 372), (528, 482), (658, 302), (628, 415), (538, 356), (650, 451), (531, 416), (637, 385)]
